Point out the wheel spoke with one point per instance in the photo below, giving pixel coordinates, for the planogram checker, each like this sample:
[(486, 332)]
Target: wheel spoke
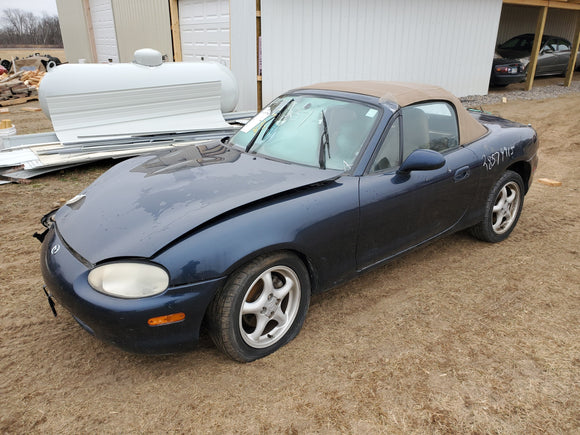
[(255, 307), (280, 293), (268, 283), (499, 218), (500, 200), (261, 322), (280, 317), (511, 197)]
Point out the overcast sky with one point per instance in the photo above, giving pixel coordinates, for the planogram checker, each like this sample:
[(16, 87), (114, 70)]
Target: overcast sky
[(38, 7)]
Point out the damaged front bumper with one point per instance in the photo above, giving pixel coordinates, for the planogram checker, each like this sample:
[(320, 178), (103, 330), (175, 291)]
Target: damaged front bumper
[(123, 322)]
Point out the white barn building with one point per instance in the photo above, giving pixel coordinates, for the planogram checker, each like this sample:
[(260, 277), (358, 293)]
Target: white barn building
[(275, 45)]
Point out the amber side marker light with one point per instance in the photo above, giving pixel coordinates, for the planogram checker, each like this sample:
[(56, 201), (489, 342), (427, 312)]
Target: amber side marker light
[(165, 320)]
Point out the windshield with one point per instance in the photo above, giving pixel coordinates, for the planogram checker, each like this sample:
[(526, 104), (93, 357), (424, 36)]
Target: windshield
[(522, 43), (310, 130)]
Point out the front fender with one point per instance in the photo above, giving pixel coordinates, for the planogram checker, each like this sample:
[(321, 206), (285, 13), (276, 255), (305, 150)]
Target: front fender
[(320, 223)]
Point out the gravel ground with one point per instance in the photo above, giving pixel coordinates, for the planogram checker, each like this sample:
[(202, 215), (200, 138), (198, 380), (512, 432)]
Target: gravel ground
[(543, 88)]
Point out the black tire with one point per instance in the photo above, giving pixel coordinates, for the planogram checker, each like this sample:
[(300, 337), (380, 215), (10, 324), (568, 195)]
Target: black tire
[(502, 209), (6, 64), (269, 322)]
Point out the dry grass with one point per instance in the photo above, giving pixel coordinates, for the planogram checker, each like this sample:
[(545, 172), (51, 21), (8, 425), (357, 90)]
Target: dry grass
[(458, 337)]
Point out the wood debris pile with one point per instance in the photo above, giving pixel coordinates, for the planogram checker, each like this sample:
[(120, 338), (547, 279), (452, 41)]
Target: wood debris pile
[(20, 87)]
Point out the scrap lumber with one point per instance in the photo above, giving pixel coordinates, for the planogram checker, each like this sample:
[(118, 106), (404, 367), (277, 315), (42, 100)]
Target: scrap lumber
[(549, 182), (14, 101), (20, 87)]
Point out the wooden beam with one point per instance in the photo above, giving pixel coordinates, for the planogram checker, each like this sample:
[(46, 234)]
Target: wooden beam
[(90, 31), (564, 5), (554, 4), (573, 52), (175, 30), (258, 53), (526, 2), (543, 12)]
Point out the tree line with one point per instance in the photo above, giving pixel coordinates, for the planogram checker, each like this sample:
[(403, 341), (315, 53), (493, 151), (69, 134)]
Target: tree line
[(18, 27)]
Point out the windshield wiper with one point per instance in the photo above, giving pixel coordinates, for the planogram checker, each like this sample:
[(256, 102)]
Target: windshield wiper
[(272, 122), (324, 143), (254, 138), (278, 116)]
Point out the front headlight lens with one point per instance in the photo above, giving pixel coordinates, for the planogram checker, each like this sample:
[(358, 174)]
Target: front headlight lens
[(129, 280)]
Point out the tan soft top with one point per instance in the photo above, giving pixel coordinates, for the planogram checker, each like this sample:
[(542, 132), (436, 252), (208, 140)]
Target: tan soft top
[(407, 94)]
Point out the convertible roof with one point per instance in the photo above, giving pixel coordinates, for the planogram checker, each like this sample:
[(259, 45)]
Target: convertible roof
[(406, 94)]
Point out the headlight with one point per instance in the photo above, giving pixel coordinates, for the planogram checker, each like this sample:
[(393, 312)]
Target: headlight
[(129, 280)]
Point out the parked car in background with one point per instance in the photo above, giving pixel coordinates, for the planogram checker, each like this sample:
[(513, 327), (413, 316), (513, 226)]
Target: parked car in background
[(552, 60), (326, 182), (506, 71)]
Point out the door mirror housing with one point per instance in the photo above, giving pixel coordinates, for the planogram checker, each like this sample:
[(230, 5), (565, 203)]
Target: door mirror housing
[(422, 160)]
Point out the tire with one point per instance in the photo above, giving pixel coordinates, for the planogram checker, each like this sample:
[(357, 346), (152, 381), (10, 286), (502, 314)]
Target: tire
[(6, 64), (502, 209), (261, 307)]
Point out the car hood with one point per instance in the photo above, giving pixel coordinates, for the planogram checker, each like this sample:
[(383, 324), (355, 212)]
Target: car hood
[(520, 55), (141, 205)]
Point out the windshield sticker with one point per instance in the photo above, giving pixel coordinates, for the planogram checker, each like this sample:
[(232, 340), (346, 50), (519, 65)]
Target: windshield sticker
[(498, 157), (372, 113), (256, 120)]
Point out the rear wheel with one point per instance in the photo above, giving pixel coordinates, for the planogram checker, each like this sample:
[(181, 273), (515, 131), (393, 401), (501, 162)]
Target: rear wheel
[(261, 307), (502, 209)]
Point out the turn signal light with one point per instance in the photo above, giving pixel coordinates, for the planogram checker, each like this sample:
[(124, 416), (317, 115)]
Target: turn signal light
[(165, 320)]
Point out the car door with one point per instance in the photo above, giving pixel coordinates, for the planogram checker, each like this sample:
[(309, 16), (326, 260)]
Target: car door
[(563, 50), (400, 211), (548, 59)]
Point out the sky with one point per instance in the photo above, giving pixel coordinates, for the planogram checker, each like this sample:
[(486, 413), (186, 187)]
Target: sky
[(38, 7)]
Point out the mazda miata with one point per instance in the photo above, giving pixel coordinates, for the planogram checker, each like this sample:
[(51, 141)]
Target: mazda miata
[(326, 182)]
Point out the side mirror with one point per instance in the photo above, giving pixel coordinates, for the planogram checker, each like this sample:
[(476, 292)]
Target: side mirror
[(421, 160), (546, 50)]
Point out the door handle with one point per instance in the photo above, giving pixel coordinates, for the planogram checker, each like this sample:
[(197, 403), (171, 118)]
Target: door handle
[(462, 174)]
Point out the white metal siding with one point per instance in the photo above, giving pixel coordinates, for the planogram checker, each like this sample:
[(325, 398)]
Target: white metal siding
[(104, 30), (205, 30), (142, 24), (73, 27), (449, 43), (243, 60), (516, 20)]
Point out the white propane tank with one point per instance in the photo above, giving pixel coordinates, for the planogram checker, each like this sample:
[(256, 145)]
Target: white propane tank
[(147, 71)]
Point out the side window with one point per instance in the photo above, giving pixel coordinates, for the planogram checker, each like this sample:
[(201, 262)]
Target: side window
[(563, 45), (429, 126), (551, 45), (388, 155)]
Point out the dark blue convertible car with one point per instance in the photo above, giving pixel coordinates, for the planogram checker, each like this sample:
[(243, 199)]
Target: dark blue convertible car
[(323, 184)]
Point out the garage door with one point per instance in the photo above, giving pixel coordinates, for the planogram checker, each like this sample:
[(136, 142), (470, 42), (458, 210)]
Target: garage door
[(205, 30), (104, 30)]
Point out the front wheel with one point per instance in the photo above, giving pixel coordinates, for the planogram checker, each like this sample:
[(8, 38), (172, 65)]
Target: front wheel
[(502, 209), (261, 307)]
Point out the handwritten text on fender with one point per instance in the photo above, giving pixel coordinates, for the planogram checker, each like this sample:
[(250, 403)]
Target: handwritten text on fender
[(498, 157)]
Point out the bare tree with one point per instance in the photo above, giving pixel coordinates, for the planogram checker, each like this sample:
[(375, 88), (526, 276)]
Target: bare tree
[(22, 27)]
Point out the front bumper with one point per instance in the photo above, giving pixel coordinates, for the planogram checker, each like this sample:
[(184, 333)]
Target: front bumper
[(123, 322)]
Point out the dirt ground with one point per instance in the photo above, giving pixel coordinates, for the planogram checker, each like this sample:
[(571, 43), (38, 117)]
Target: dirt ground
[(458, 337)]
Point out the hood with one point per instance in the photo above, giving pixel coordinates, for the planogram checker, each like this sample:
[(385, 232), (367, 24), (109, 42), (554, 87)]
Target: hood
[(520, 55), (141, 205)]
